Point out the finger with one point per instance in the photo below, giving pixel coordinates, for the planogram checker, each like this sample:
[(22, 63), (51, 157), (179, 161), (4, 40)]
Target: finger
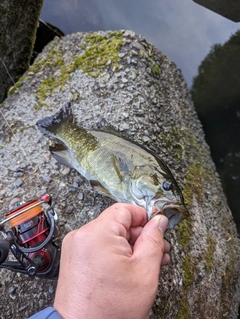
[(133, 234), (165, 260), (126, 215), (150, 245), (167, 246)]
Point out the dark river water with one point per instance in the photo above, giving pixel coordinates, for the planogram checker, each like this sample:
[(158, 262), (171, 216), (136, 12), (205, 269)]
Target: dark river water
[(191, 36)]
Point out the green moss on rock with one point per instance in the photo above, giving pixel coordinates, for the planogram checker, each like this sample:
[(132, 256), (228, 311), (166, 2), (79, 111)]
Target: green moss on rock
[(229, 279), (189, 272), (188, 266), (184, 309), (195, 177), (185, 232), (190, 269), (210, 252), (99, 52), (15, 87), (23, 128), (53, 59), (156, 70), (173, 138)]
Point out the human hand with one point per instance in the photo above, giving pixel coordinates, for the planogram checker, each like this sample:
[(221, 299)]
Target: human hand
[(110, 267)]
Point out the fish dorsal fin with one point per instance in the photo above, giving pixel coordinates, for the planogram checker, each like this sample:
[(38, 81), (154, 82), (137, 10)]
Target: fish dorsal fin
[(99, 188), (106, 127), (120, 166), (61, 153)]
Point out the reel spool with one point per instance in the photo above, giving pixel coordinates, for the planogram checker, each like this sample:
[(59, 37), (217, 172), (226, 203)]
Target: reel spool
[(31, 239)]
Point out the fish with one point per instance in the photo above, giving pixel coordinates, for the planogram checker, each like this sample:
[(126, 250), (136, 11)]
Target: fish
[(115, 166)]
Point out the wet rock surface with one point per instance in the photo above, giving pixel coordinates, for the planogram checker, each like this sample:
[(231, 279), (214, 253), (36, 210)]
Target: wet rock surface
[(118, 78)]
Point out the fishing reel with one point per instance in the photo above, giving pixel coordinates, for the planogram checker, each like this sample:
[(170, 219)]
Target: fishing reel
[(31, 240)]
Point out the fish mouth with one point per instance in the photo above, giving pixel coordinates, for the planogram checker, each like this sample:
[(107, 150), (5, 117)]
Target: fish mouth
[(174, 211)]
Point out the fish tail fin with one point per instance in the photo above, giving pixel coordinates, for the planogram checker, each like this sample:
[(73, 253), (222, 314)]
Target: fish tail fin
[(51, 124)]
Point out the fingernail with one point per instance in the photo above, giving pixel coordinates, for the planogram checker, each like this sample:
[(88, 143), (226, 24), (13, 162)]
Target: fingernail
[(163, 223)]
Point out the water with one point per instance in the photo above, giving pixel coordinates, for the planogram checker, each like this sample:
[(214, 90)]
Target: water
[(185, 32)]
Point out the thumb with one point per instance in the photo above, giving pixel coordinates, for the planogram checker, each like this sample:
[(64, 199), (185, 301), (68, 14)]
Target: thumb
[(149, 246)]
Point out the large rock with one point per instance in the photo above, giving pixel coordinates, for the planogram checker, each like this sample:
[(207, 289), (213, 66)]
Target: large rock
[(18, 23), (122, 78)]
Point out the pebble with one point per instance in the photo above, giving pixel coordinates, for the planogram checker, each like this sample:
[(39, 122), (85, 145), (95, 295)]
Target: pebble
[(13, 296), (18, 182), (133, 75), (68, 228), (43, 191), (129, 33), (75, 184), (12, 292), (15, 201), (69, 209), (146, 139), (134, 52), (72, 189), (16, 168), (66, 171), (125, 126), (138, 46), (3, 192), (47, 178), (80, 196), (61, 184), (51, 289), (23, 307), (47, 157), (17, 174), (121, 55)]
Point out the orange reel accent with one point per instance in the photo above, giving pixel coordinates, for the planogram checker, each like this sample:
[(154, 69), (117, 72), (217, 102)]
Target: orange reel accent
[(31, 212)]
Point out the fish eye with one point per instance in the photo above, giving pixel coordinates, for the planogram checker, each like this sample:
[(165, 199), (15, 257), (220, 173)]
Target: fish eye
[(167, 186)]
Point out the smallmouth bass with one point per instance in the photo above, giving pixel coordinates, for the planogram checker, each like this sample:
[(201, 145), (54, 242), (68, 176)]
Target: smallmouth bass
[(116, 167)]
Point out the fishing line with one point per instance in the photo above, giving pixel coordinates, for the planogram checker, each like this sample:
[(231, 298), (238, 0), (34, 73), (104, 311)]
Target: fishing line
[(7, 70), (13, 134)]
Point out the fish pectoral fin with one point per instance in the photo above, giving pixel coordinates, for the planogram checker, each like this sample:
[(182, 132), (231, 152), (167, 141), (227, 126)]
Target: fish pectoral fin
[(120, 166), (61, 154), (99, 188)]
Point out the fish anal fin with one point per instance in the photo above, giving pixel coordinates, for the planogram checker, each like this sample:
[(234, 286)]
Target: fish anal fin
[(98, 187), (61, 153)]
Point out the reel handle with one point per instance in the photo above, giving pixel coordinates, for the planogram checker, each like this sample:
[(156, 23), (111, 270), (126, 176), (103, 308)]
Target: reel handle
[(4, 249)]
